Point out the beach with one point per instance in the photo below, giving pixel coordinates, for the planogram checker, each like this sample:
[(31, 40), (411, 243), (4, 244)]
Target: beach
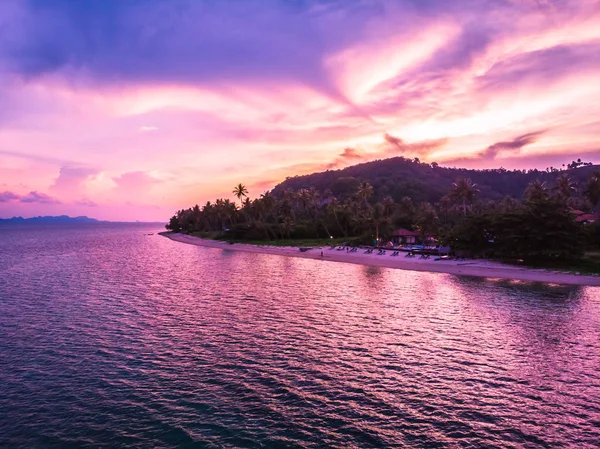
[(479, 267)]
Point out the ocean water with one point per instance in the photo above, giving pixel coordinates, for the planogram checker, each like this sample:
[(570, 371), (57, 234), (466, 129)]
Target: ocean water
[(113, 338)]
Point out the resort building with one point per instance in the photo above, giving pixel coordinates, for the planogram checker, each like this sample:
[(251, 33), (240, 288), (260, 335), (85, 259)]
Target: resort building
[(405, 237), (582, 217)]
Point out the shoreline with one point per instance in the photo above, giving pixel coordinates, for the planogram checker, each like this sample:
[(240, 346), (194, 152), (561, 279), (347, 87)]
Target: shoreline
[(479, 268)]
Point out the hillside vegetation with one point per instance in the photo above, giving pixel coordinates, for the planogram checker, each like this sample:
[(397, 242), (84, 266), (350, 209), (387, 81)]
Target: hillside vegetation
[(400, 177), (535, 216)]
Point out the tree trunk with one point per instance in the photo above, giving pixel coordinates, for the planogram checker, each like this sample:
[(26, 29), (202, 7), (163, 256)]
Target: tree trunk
[(264, 226), (339, 224)]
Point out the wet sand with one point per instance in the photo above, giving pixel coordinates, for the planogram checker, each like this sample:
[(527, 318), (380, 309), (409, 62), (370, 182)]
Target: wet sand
[(481, 268)]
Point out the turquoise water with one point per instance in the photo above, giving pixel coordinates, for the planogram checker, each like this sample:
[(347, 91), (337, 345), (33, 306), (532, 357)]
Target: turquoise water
[(113, 338)]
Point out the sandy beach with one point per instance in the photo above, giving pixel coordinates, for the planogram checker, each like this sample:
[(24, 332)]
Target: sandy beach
[(481, 268)]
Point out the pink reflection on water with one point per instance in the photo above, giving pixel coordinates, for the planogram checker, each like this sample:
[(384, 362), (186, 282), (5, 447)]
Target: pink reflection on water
[(490, 354)]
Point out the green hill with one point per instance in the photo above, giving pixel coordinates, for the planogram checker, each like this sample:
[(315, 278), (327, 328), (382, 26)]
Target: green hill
[(400, 177)]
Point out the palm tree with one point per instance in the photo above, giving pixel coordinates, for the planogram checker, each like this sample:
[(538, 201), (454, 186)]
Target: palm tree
[(464, 190), (304, 197), (365, 191), (240, 191), (426, 220), (288, 226), (269, 203), (261, 210), (536, 191), (592, 191), (565, 186), (379, 217), (389, 206), (334, 206)]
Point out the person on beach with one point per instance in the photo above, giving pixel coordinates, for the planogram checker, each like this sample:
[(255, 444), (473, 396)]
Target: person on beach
[(321, 253)]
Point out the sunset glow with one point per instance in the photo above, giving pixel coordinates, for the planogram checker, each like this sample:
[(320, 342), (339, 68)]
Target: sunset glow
[(129, 111)]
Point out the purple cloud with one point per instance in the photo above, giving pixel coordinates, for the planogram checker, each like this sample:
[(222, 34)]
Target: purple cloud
[(8, 196), (37, 197), (542, 66), (31, 197), (180, 41), (512, 145), (398, 146)]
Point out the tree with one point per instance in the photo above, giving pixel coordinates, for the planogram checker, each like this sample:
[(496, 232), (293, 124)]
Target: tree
[(335, 206), (173, 224), (287, 226), (365, 191), (379, 217), (240, 192), (464, 190), (536, 191), (592, 190), (538, 230), (426, 220), (269, 202), (564, 186)]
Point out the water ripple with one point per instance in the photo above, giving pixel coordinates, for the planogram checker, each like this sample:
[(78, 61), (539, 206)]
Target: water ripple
[(112, 338)]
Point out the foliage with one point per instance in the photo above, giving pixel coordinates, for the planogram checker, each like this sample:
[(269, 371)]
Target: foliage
[(401, 177), (540, 229), (504, 214)]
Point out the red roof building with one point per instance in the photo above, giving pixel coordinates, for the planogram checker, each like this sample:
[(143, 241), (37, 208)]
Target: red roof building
[(586, 218)]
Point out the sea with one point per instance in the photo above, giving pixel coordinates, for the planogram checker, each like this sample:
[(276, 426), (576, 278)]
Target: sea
[(112, 336)]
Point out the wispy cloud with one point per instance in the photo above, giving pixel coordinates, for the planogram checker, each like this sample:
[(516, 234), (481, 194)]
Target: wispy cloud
[(31, 197), (101, 97)]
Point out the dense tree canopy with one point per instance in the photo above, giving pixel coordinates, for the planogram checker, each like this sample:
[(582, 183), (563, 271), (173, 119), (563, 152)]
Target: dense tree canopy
[(505, 214), (400, 177)]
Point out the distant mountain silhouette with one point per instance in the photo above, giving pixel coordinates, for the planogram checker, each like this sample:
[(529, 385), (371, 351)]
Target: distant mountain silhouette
[(49, 219)]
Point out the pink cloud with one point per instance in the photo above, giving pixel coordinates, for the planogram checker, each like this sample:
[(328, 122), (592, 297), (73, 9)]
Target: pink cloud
[(308, 90)]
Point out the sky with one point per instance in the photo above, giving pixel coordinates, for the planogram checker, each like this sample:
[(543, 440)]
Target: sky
[(131, 109)]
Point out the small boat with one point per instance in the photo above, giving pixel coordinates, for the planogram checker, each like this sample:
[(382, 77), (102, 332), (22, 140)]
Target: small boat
[(304, 249)]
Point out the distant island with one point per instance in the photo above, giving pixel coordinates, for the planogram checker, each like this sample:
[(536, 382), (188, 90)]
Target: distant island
[(50, 219), (546, 218)]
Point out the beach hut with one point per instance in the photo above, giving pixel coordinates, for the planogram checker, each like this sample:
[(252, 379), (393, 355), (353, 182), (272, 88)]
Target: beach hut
[(405, 237)]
